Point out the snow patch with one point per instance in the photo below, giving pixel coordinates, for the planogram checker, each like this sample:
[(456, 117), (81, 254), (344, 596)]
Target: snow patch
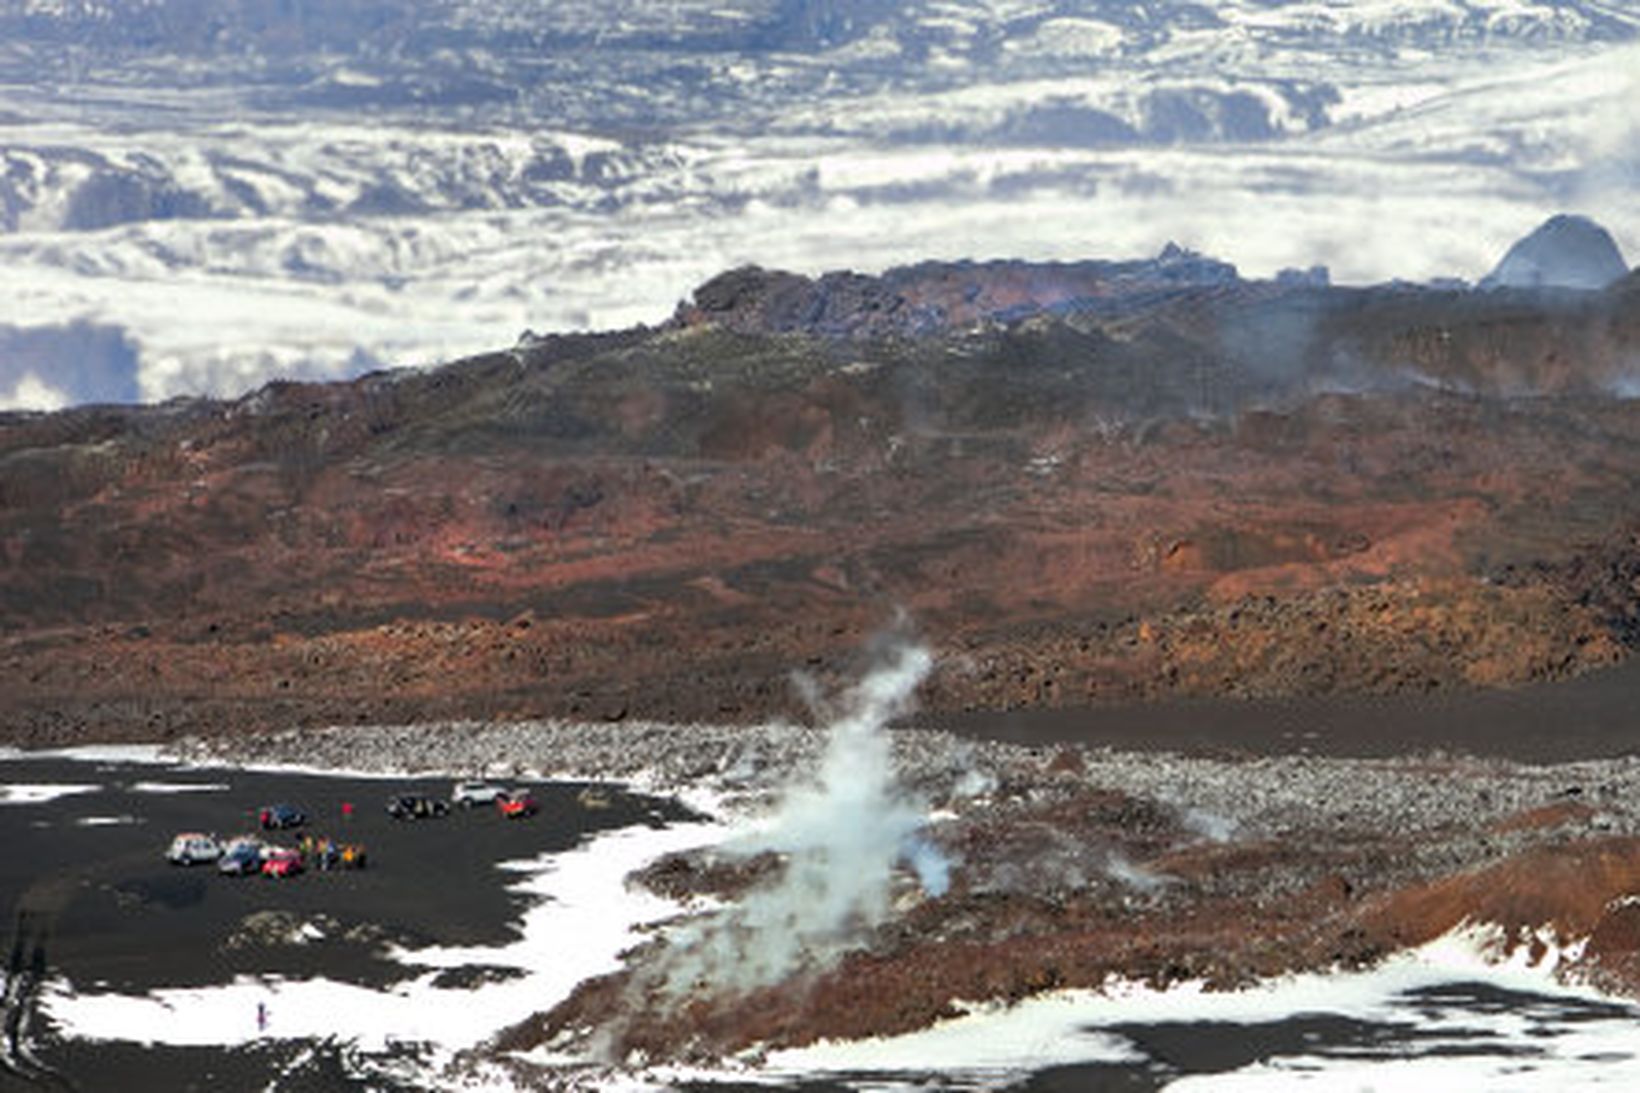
[(1005, 1042), (148, 754), (107, 821), (36, 793), (179, 787)]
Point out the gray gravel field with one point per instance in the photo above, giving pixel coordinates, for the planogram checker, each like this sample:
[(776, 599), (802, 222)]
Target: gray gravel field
[(745, 766)]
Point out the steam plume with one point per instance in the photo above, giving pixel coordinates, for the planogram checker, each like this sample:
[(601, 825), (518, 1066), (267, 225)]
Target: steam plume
[(843, 837)]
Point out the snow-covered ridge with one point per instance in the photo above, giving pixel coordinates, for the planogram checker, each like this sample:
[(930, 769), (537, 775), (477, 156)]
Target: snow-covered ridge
[(946, 24), (79, 179)]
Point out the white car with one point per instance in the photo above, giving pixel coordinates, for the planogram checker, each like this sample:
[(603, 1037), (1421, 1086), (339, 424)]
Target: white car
[(468, 794), (192, 848)]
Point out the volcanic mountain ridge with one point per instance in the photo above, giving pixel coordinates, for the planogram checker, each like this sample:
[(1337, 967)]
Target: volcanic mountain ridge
[(1085, 482)]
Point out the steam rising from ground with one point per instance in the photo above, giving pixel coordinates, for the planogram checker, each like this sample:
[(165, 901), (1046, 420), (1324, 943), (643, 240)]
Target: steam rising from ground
[(843, 837)]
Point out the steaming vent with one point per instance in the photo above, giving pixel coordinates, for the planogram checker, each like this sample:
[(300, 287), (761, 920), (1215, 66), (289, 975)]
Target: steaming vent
[(844, 839)]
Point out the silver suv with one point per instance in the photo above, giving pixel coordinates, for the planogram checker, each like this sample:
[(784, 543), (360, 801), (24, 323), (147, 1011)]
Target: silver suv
[(191, 848), (468, 794)]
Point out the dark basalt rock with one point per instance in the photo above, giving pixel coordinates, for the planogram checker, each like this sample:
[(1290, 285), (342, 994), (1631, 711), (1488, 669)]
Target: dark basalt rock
[(933, 297)]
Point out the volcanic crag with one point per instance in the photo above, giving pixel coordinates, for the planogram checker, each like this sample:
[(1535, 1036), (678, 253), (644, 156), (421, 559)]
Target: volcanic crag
[(1086, 481)]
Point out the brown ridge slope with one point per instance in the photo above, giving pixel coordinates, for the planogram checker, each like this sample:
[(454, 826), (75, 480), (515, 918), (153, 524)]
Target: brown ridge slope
[(1186, 487)]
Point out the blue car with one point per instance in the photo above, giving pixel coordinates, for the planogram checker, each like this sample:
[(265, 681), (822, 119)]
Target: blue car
[(279, 817), (242, 858)]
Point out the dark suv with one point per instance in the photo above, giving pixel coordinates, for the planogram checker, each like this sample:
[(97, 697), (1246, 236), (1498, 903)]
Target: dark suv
[(279, 817), (410, 807)]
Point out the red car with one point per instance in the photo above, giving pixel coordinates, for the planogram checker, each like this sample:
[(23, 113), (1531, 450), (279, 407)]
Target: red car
[(281, 862), (516, 806)]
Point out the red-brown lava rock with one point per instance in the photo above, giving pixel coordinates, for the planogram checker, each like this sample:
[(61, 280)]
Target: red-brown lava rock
[(1113, 493)]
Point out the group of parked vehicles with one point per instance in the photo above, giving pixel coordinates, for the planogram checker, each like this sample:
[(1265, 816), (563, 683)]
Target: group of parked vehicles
[(252, 855), (511, 803)]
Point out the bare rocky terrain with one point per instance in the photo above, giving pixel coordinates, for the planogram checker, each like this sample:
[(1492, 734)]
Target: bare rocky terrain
[(1089, 483), (1085, 485)]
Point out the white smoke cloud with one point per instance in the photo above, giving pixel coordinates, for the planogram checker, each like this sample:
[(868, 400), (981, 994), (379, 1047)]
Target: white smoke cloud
[(32, 393), (1210, 825), (1121, 869), (843, 837)]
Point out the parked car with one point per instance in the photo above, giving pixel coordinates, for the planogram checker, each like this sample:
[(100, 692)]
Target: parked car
[(279, 817), (468, 794), (408, 806), (517, 805), (192, 848), (281, 861), (242, 856)]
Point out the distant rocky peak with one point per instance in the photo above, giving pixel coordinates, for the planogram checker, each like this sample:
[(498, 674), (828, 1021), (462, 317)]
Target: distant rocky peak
[(1565, 251), (930, 297)]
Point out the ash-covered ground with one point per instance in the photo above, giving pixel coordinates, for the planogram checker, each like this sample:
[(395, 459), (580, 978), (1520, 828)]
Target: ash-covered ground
[(1025, 869)]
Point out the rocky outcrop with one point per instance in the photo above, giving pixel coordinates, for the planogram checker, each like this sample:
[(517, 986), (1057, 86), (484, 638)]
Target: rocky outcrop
[(1563, 252), (933, 297)]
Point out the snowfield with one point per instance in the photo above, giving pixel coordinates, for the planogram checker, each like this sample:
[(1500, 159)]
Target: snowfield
[(33, 793)]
